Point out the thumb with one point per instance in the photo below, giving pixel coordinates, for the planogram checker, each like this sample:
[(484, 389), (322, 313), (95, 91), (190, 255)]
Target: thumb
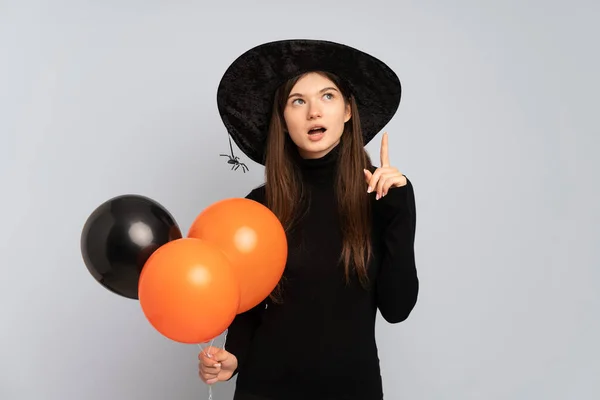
[(208, 352), (221, 355), (368, 175)]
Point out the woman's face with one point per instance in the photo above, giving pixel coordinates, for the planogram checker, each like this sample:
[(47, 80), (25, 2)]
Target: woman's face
[(315, 114)]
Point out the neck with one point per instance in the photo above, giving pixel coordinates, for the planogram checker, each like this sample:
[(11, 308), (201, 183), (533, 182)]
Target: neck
[(322, 169)]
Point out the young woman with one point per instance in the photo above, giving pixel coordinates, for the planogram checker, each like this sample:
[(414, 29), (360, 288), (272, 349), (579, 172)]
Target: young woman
[(294, 106)]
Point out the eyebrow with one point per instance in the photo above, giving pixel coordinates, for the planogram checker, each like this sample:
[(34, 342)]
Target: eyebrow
[(320, 91)]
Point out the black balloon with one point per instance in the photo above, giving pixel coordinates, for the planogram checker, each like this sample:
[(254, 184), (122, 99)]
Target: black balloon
[(119, 237)]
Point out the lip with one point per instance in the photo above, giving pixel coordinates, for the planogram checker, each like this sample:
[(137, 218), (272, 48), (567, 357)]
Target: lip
[(315, 137)]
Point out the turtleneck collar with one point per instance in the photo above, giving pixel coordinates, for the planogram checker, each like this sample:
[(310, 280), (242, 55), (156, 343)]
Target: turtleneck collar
[(320, 169)]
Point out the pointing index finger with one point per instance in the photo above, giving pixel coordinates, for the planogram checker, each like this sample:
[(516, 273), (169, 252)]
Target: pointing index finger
[(385, 160)]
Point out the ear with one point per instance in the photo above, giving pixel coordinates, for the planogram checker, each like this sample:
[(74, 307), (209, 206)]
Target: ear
[(348, 114)]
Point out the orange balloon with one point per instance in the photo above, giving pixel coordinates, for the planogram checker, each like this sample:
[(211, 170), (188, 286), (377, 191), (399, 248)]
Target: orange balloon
[(188, 291), (253, 240)]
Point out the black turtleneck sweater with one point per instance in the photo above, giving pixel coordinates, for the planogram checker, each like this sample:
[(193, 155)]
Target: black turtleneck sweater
[(319, 343)]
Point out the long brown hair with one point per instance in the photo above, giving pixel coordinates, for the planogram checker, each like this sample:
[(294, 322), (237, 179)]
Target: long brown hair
[(286, 195)]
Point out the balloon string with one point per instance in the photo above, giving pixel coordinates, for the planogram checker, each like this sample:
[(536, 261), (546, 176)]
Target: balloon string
[(210, 356)]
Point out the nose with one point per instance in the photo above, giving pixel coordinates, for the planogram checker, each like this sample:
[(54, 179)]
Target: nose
[(314, 111)]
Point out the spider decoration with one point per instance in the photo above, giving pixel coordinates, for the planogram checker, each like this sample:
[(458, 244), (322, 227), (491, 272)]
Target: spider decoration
[(234, 160)]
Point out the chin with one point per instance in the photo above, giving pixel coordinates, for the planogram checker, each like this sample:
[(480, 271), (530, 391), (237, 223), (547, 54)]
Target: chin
[(316, 150)]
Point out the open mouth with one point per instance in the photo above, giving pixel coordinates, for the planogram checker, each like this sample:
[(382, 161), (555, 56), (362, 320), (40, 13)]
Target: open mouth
[(316, 131)]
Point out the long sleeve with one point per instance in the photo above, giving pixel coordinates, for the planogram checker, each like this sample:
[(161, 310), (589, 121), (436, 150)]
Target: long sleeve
[(397, 283), (241, 331)]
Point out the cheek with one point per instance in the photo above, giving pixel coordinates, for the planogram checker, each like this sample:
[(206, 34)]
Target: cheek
[(341, 118), (295, 135), (292, 124)]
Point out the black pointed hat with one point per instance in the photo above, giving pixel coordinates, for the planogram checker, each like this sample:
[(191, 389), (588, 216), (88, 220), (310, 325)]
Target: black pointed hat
[(245, 93)]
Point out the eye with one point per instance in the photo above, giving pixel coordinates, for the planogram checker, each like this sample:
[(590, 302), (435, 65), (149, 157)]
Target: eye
[(296, 100), (328, 96)]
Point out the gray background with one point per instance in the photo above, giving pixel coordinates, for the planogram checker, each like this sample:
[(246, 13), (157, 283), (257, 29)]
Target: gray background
[(497, 130)]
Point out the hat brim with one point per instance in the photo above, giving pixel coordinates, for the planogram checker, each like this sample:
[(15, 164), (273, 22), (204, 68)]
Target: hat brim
[(246, 91)]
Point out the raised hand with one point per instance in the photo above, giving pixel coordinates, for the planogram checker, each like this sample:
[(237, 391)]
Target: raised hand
[(385, 176)]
